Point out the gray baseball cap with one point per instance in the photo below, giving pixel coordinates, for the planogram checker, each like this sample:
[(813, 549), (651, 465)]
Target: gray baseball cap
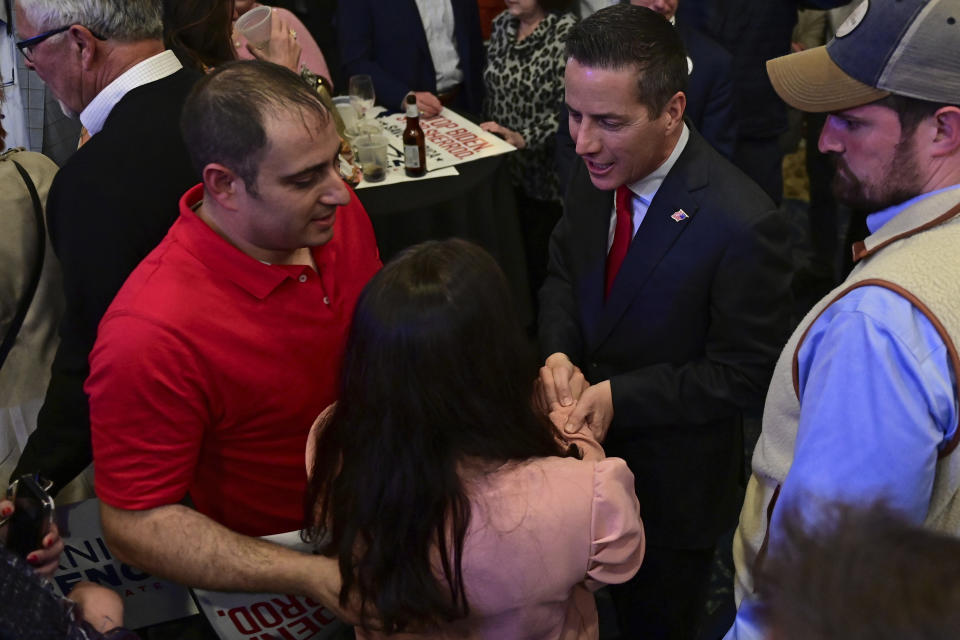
[(907, 47)]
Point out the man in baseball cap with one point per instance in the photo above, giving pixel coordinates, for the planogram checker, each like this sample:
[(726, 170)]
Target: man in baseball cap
[(863, 404)]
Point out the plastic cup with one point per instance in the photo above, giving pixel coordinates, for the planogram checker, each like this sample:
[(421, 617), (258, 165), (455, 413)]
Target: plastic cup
[(347, 113), (372, 156), (254, 25)]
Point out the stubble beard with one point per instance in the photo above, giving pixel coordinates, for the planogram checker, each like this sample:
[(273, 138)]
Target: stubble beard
[(899, 182)]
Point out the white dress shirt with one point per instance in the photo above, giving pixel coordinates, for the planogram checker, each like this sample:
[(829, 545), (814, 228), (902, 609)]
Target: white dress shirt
[(150, 70), (438, 25)]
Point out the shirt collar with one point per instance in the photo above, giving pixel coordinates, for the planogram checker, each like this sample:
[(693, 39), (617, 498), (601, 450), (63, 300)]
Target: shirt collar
[(880, 218), (646, 187), (258, 278), (150, 70)]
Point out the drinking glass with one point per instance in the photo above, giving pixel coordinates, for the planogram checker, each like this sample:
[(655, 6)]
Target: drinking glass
[(361, 94)]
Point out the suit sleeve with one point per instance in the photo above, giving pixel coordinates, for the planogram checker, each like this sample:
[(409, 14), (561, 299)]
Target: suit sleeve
[(358, 37), (750, 303), (565, 154), (97, 252), (558, 320), (719, 124), (473, 54)]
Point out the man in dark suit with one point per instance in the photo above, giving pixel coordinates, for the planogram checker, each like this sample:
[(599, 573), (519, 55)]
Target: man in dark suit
[(387, 39), (673, 302), (115, 197)]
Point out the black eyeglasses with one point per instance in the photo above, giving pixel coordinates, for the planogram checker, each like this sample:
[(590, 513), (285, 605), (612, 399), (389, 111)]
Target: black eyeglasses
[(26, 45)]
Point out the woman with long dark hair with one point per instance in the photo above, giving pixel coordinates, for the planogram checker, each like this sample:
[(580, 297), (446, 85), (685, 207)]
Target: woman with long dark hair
[(454, 508)]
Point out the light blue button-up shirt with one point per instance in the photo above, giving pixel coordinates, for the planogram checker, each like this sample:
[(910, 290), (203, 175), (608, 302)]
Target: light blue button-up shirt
[(878, 400)]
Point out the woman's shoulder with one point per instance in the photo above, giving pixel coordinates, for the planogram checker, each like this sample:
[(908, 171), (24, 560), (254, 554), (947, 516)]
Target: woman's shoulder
[(29, 160), (565, 18), (39, 168), (503, 25), (560, 21)]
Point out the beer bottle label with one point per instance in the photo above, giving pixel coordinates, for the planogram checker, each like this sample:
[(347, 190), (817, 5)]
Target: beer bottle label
[(411, 156)]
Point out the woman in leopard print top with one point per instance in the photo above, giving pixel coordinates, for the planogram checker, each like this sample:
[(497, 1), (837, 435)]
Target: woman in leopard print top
[(524, 83)]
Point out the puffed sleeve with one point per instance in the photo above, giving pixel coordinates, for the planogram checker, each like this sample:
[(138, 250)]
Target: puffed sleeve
[(617, 539), (587, 443)]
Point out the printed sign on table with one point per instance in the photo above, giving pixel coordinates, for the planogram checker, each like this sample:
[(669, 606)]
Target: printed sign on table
[(146, 600), (451, 138), (396, 174), (245, 616)]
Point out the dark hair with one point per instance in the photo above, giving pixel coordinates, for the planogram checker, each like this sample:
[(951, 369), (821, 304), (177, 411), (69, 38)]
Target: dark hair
[(199, 31), (624, 36), (224, 115), (437, 375), (860, 574), (910, 111), (554, 5), (47, 615)]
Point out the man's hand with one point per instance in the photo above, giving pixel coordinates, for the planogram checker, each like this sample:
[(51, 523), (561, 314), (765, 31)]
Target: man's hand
[(511, 136), (561, 382), (594, 410), (101, 607), (428, 104), (283, 48), (45, 559)]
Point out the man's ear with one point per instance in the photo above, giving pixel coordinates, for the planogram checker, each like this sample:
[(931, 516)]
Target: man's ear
[(675, 108), (946, 140), (86, 43), (223, 185)]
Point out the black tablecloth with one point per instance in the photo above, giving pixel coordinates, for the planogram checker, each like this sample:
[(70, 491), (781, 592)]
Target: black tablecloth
[(477, 205)]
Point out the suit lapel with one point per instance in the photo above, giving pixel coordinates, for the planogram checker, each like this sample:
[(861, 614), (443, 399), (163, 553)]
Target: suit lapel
[(418, 32), (657, 234)]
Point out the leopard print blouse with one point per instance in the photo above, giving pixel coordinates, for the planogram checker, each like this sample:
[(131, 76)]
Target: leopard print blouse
[(524, 82)]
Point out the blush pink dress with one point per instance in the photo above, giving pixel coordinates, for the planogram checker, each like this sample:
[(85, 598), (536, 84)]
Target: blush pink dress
[(544, 534)]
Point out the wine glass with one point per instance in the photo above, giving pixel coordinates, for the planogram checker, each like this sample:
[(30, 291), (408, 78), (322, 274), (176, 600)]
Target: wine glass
[(361, 94)]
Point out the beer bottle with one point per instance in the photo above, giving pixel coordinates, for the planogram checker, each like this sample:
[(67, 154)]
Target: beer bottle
[(414, 144)]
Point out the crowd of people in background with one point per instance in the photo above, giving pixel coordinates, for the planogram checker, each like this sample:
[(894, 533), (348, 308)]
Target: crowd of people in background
[(189, 284)]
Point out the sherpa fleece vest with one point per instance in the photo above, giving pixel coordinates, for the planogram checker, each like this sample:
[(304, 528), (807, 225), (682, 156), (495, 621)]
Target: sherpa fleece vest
[(917, 255)]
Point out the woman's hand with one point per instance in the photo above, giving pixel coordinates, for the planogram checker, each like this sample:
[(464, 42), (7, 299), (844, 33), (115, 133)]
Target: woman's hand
[(46, 559), (509, 135), (283, 48)]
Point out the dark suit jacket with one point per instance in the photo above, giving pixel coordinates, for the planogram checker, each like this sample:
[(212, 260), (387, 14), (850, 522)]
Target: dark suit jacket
[(385, 39), (753, 32), (688, 337), (109, 206), (710, 89)]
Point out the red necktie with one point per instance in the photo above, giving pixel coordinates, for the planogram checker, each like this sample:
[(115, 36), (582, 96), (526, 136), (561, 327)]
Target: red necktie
[(621, 236)]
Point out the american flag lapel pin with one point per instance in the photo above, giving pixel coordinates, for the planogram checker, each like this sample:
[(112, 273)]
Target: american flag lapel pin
[(679, 215)]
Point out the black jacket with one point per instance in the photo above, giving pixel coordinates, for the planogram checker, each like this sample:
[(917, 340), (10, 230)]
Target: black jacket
[(109, 206)]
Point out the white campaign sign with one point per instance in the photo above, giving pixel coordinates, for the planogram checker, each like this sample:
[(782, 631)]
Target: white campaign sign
[(146, 600), (245, 616), (451, 138)]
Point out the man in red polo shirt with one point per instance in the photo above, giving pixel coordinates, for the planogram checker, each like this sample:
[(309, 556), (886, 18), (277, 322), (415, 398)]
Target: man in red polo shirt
[(224, 344)]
